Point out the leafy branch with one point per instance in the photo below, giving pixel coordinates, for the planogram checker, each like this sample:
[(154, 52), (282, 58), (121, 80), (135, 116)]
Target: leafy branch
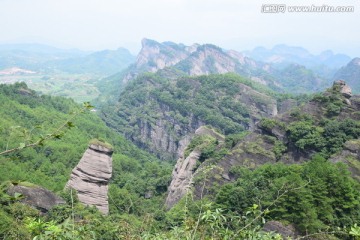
[(56, 134)]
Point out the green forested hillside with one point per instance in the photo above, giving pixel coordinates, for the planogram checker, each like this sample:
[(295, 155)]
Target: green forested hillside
[(314, 192), (26, 116), (155, 106), (297, 79)]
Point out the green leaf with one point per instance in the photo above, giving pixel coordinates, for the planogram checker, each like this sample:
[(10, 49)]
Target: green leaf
[(17, 195), (70, 124), (87, 105)]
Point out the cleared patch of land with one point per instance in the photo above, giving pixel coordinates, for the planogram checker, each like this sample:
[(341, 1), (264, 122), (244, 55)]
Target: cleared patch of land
[(80, 87)]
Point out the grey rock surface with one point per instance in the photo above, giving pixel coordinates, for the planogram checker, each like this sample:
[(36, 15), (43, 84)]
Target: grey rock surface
[(345, 90), (181, 178), (185, 168), (91, 176), (351, 156), (37, 197), (285, 231)]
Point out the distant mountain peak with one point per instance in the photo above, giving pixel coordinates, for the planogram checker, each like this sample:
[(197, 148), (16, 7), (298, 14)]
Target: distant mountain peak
[(351, 74), (146, 42), (324, 64), (355, 61), (193, 60)]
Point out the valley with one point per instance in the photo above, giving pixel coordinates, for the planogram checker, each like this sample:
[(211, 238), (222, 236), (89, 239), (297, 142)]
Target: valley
[(80, 87)]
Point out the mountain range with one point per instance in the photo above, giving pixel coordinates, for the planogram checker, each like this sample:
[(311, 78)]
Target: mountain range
[(208, 144), (324, 64), (282, 68), (293, 76), (45, 59)]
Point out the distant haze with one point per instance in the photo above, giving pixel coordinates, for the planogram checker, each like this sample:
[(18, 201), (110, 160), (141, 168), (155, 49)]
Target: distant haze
[(231, 24)]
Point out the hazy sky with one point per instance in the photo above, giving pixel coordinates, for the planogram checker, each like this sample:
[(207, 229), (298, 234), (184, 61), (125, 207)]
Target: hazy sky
[(235, 24)]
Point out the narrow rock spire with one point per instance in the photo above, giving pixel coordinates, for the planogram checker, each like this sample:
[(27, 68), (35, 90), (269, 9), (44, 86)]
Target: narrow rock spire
[(91, 176)]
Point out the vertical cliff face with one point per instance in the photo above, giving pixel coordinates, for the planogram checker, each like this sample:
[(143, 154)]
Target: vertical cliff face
[(182, 178), (91, 176), (165, 136), (185, 168), (154, 56)]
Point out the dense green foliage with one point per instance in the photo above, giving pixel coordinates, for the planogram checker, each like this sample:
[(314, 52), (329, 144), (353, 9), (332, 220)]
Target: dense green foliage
[(325, 133), (32, 116), (316, 195), (209, 98), (332, 101), (328, 137)]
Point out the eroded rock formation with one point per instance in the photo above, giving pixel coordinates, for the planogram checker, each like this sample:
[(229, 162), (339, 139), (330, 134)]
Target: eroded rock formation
[(37, 197), (91, 176), (345, 90), (185, 168), (181, 178)]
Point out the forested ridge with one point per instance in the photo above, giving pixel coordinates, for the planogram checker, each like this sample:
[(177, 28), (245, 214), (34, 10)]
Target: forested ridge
[(165, 105)]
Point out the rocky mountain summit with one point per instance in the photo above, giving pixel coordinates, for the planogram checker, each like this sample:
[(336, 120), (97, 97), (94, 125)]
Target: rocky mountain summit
[(154, 56), (91, 176), (196, 60), (204, 59)]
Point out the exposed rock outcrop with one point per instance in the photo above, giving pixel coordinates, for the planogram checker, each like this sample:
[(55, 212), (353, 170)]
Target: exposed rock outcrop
[(155, 56), (165, 144), (91, 176), (345, 90), (184, 169), (286, 232), (181, 178), (37, 197), (351, 156)]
